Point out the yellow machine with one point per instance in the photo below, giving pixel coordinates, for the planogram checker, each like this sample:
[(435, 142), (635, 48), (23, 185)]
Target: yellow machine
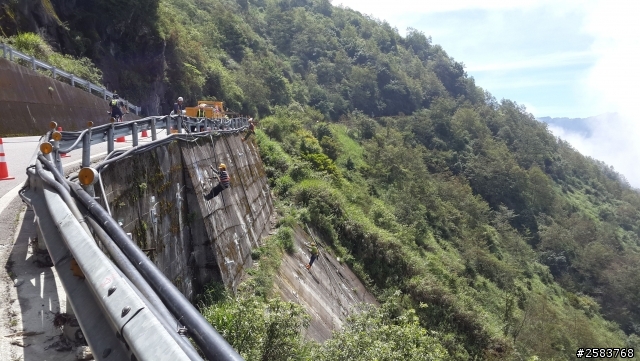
[(212, 109)]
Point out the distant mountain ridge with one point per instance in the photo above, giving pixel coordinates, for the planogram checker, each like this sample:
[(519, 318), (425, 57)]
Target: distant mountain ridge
[(581, 126)]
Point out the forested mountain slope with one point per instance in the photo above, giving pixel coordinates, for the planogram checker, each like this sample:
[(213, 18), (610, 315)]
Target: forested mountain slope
[(483, 235)]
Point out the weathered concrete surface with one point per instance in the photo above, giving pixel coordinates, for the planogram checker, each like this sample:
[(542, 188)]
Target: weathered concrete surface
[(329, 290), (236, 219), (195, 241), (30, 100)]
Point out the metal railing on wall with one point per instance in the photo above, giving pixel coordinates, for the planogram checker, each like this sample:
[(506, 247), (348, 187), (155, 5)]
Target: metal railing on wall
[(126, 307), (175, 126), (12, 54)]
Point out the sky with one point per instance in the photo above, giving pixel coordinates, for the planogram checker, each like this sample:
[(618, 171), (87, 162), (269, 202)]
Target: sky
[(559, 58)]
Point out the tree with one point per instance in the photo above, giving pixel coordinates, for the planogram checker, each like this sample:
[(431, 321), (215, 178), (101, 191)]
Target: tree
[(375, 335)]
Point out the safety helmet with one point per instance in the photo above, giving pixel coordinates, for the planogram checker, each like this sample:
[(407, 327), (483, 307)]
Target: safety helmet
[(180, 99), (222, 166), (202, 105)]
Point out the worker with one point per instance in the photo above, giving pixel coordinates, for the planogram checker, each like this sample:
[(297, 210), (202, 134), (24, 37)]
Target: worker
[(251, 130), (223, 182), (314, 254), (118, 109), (201, 112), (178, 107)]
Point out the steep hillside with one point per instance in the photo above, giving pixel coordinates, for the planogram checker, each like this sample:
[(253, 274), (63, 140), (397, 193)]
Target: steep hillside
[(481, 234), (253, 54)]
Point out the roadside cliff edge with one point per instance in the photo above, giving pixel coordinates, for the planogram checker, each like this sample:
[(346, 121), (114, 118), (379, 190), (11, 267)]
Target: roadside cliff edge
[(158, 197)]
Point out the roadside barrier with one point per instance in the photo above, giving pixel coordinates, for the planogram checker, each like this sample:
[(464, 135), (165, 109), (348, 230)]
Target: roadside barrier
[(4, 171), (63, 155)]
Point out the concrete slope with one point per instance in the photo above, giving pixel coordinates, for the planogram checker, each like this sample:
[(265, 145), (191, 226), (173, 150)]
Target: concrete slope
[(30, 100), (329, 290), (158, 198), (235, 220)]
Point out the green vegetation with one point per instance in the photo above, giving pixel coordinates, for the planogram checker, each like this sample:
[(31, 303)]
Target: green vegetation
[(34, 45), (264, 328), (483, 235)]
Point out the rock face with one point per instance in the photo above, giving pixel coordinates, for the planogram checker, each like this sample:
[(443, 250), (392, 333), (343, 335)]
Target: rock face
[(30, 100), (122, 39)]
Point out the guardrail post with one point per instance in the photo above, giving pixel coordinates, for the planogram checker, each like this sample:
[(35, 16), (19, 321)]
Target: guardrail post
[(180, 124), (56, 155), (86, 147), (53, 72), (10, 54), (73, 82), (110, 145), (4, 50), (104, 93), (154, 134), (33, 62), (134, 134), (138, 110)]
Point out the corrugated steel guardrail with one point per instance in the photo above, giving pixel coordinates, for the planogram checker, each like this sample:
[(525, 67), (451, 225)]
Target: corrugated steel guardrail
[(117, 320), (11, 53)]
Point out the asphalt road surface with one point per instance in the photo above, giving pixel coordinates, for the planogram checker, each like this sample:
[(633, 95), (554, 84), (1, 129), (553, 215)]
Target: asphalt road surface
[(31, 295)]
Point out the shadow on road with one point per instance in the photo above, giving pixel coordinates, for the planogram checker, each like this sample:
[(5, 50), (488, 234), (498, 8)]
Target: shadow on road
[(37, 299)]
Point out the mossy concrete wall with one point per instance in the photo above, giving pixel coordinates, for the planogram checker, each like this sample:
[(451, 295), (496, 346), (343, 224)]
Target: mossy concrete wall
[(30, 100), (193, 241)]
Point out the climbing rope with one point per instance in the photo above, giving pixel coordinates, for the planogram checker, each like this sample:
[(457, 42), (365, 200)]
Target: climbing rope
[(328, 270), (241, 181)]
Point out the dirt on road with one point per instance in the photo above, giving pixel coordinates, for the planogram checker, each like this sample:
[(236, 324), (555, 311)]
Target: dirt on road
[(30, 294)]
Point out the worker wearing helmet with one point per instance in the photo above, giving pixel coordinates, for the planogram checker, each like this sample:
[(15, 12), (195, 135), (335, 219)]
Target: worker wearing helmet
[(201, 111), (118, 109), (178, 107), (224, 182)]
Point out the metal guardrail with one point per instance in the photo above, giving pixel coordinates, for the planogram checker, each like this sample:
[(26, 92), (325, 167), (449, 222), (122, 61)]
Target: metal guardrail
[(120, 318), (11, 54), (174, 125)]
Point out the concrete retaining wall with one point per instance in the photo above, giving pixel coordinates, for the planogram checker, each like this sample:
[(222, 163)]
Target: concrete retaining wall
[(193, 241), (30, 100), (196, 241)]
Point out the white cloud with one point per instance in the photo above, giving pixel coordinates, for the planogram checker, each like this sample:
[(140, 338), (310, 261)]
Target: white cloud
[(609, 143), (386, 9), (614, 79), (612, 84), (514, 82), (553, 60)]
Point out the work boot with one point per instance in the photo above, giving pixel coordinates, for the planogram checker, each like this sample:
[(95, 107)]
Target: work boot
[(308, 266)]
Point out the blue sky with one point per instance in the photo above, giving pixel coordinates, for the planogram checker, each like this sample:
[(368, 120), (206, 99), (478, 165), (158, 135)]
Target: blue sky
[(539, 53), (559, 58)]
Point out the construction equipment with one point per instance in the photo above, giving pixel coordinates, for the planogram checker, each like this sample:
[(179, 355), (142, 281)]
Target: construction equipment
[(212, 109)]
